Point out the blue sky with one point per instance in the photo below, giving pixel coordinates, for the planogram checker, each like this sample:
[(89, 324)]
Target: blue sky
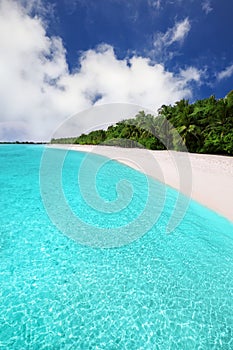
[(61, 57), (131, 28)]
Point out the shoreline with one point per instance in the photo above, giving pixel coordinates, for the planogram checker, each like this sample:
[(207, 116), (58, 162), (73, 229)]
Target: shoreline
[(208, 179)]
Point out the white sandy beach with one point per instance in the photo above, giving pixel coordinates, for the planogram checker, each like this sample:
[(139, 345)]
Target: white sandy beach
[(208, 179)]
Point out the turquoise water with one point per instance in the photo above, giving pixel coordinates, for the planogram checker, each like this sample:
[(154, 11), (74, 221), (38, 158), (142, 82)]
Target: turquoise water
[(159, 292)]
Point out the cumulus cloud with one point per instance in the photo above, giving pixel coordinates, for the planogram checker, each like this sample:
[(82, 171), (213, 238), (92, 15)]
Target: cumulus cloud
[(206, 6), (226, 73), (38, 92)]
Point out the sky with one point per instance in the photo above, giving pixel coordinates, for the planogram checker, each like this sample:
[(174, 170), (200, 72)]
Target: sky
[(59, 58)]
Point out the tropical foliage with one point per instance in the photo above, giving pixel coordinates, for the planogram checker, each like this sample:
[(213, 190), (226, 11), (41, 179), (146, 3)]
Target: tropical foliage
[(205, 126)]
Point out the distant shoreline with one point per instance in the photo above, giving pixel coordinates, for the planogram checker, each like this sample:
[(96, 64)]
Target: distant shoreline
[(23, 143), (211, 175)]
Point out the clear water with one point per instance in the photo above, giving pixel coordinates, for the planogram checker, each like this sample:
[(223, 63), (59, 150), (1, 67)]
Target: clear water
[(160, 292)]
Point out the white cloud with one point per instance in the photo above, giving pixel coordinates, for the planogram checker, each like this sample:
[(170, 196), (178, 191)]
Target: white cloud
[(206, 6), (226, 73), (180, 31), (37, 91), (190, 74), (155, 4), (172, 35)]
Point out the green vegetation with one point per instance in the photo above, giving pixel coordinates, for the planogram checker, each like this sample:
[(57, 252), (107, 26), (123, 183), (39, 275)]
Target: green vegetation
[(206, 126), (66, 140)]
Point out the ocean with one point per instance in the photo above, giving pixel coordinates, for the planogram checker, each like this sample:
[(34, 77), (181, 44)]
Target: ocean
[(86, 261)]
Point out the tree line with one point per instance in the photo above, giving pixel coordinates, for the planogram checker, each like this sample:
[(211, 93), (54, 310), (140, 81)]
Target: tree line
[(205, 126)]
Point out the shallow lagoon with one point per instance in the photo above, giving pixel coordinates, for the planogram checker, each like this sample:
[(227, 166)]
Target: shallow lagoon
[(159, 292)]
